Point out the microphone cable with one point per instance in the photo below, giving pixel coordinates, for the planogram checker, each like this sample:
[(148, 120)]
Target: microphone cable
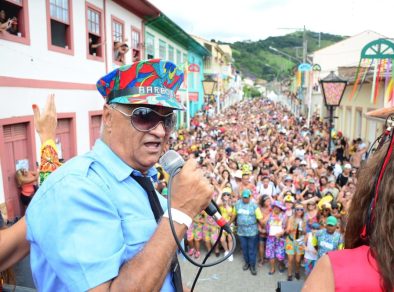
[(184, 253)]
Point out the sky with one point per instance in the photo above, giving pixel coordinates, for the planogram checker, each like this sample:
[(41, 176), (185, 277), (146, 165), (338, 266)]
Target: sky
[(230, 20)]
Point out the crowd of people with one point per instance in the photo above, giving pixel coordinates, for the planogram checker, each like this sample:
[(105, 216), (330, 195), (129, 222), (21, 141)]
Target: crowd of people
[(289, 202), (286, 197)]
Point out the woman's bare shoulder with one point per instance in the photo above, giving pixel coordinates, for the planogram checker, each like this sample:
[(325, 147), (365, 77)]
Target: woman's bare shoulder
[(321, 278)]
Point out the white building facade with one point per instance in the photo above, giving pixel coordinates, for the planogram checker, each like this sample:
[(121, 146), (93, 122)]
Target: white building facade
[(51, 54)]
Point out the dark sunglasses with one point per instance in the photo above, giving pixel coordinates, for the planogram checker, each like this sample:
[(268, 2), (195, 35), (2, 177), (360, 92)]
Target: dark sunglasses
[(299, 209), (145, 119), (226, 194)]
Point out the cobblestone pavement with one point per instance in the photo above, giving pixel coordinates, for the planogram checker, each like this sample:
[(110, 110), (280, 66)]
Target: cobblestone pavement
[(229, 276)]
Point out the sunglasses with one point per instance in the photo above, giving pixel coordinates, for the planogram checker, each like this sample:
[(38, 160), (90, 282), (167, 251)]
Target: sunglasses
[(145, 119), (226, 194), (299, 209)]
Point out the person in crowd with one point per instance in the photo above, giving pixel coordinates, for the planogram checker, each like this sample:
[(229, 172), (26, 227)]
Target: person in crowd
[(367, 262), (265, 208), (4, 22), (343, 178), (328, 239), (120, 51), (27, 181), (139, 246), (195, 235), (310, 256), (13, 243), (210, 231), (226, 208), (295, 244), (93, 45), (13, 27), (275, 247), (248, 215), (7, 275), (266, 187), (359, 154)]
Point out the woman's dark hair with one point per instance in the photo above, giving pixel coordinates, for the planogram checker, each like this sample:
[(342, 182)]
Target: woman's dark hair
[(381, 234)]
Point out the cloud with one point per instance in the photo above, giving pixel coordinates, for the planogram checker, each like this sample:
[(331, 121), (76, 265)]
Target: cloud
[(229, 20)]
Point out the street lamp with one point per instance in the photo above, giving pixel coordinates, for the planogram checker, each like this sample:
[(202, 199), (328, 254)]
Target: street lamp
[(209, 86), (333, 88)]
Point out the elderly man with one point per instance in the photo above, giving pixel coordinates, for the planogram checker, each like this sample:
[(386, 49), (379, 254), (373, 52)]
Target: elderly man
[(96, 224)]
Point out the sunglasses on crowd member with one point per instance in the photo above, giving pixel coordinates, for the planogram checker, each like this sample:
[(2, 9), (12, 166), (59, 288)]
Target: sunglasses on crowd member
[(226, 194), (299, 209), (145, 119)]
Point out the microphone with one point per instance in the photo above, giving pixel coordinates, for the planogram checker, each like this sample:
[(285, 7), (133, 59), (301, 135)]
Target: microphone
[(172, 163)]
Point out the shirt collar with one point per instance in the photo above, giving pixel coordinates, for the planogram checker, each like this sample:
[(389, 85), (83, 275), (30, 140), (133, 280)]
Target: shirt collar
[(119, 169)]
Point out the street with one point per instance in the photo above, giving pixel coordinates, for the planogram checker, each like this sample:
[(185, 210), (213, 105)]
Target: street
[(229, 276)]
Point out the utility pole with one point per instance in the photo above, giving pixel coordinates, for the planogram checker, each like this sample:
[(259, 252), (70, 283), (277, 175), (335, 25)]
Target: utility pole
[(304, 46)]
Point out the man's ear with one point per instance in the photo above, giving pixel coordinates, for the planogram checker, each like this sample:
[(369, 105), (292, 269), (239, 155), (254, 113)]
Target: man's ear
[(107, 117)]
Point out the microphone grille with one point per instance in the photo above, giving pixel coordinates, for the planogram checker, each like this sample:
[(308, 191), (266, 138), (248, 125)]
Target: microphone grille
[(171, 161)]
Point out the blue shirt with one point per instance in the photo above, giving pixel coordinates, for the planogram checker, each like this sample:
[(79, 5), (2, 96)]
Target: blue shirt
[(87, 220), (247, 216)]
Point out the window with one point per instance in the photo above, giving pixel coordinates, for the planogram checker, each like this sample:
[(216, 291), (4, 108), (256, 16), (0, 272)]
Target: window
[(135, 44), (60, 26), (150, 46), (94, 38), (171, 53), (118, 31), (184, 58), (120, 48), (178, 57), (162, 50), (18, 28)]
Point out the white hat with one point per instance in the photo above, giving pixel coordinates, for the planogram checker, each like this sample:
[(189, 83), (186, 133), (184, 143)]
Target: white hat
[(303, 163), (238, 174), (348, 166)]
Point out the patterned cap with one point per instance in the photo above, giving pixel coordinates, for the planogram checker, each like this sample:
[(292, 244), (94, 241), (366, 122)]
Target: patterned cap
[(149, 82)]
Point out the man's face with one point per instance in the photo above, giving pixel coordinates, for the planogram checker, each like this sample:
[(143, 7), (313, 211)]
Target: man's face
[(331, 229), (140, 150), (246, 200)]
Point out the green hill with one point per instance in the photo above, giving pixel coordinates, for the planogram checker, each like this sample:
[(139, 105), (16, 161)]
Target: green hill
[(256, 60)]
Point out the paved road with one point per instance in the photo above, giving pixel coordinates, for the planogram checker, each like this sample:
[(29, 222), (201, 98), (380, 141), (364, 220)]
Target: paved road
[(229, 276)]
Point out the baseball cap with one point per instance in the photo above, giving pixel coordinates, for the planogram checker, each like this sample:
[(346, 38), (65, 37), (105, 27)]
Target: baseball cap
[(246, 193), (147, 82), (331, 220), (288, 177), (348, 166), (311, 181), (303, 162)]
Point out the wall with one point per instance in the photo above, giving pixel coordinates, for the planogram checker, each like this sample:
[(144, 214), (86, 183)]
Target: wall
[(35, 61), (360, 103), (158, 36)]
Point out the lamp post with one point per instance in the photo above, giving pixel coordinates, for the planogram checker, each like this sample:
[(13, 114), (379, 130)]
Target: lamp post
[(333, 88), (209, 86)]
